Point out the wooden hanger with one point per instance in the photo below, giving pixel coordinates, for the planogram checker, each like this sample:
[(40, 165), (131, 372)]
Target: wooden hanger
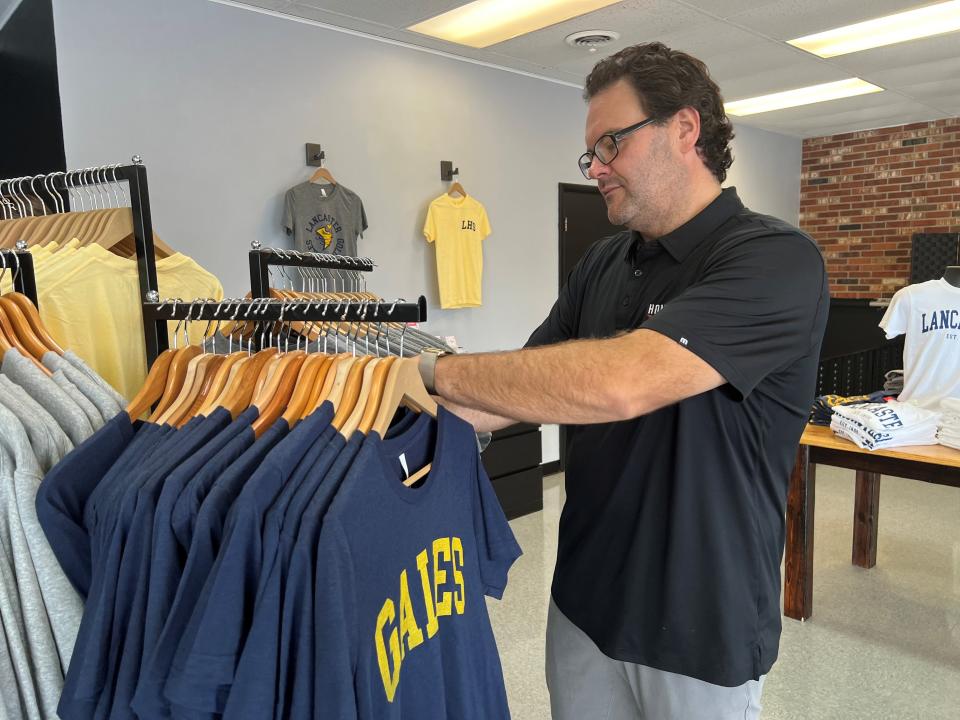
[(352, 423), (220, 379), (322, 174), (175, 377), (340, 380), (200, 370), (312, 367), (33, 317), (403, 388), (456, 187), (323, 385), (23, 329), (350, 392), (12, 329), (376, 394), (238, 393), (278, 392), (152, 387), (216, 378)]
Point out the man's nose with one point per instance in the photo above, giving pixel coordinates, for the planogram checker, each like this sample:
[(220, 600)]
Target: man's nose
[(598, 169)]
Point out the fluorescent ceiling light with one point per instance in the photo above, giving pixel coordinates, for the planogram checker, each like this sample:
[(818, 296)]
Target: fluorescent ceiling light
[(801, 96), (483, 23), (923, 22)]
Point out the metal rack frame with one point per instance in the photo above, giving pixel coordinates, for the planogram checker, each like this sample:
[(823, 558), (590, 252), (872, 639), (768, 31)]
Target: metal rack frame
[(20, 263), (262, 258)]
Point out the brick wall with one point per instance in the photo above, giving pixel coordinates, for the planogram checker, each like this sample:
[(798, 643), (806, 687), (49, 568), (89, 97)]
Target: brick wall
[(864, 194)]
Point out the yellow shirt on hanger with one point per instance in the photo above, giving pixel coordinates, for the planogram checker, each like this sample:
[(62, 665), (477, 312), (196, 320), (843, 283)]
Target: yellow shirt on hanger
[(457, 226), (91, 305)]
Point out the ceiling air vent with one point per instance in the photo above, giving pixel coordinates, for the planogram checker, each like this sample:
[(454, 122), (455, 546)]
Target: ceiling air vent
[(592, 39)]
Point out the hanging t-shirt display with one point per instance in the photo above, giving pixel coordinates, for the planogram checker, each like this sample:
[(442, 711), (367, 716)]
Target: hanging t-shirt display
[(929, 314), (458, 226), (324, 218), (401, 575)]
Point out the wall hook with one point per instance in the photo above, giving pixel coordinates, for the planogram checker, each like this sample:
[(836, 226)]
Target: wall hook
[(447, 171), (315, 155)]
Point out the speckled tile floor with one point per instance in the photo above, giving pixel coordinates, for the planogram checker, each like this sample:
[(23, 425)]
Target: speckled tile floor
[(883, 644)]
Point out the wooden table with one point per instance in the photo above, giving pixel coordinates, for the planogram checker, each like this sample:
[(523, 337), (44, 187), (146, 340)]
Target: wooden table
[(818, 445)]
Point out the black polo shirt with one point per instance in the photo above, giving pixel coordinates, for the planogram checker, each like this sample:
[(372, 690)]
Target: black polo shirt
[(673, 529)]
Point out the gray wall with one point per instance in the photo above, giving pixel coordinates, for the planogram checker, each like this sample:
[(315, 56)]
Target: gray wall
[(219, 101)]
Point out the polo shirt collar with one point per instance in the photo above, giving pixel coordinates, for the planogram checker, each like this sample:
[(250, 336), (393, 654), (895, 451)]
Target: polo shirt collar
[(681, 242)]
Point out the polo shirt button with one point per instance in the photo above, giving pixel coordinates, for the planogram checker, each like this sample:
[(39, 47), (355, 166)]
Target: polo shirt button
[(626, 301), (637, 273)]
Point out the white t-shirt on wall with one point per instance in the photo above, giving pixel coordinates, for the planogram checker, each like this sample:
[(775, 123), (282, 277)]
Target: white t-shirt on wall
[(929, 314)]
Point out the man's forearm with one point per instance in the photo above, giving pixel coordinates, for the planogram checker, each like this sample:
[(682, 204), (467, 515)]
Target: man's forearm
[(577, 382), (481, 421), (542, 385)]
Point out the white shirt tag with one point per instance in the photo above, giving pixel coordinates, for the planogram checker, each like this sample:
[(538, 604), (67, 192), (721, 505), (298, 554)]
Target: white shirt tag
[(323, 192), (403, 462)]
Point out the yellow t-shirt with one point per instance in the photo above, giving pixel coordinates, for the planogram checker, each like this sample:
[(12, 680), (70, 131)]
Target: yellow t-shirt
[(92, 306), (457, 226)]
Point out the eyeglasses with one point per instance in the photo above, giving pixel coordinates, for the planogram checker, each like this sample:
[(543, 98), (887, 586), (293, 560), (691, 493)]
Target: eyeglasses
[(607, 147)]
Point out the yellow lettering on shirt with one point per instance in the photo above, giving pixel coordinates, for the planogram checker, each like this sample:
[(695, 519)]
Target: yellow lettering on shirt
[(423, 562), (460, 598), (410, 634), (396, 637), (390, 678), (441, 549)]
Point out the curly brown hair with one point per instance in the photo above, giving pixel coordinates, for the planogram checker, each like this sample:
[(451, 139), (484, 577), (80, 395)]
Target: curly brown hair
[(667, 80)]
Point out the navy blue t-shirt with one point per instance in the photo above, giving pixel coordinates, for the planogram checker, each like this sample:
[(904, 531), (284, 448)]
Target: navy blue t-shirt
[(204, 545), (401, 574), (166, 559), (296, 666), (64, 492), (133, 580), (206, 660), (254, 688), (85, 676)]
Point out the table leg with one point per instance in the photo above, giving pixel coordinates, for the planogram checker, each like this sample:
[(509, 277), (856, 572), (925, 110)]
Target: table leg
[(798, 575), (866, 516)]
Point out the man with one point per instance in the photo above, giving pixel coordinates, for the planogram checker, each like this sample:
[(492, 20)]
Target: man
[(683, 354)]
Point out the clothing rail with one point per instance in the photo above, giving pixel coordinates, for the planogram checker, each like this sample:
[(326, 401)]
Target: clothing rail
[(269, 310), (262, 258), (20, 263)]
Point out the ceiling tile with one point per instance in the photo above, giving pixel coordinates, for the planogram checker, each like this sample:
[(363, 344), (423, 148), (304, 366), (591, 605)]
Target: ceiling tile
[(939, 49), (726, 8), (636, 21), (387, 12), (788, 19)]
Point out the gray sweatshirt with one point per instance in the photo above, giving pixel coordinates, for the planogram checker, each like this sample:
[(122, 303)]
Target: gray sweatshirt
[(107, 407), (51, 396), (33, 648)]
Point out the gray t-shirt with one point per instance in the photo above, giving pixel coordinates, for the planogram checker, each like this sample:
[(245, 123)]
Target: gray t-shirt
[(324, 218)]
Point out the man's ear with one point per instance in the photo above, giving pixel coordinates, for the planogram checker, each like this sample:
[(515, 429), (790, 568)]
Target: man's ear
[(688, 129)]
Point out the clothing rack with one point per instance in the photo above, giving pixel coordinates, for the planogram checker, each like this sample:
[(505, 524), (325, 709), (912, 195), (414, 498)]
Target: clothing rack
[(157, 314), (20, 263), (262, 258), (270, 310)]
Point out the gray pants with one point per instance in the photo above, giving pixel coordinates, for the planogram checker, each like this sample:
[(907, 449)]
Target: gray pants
[(584, 683)]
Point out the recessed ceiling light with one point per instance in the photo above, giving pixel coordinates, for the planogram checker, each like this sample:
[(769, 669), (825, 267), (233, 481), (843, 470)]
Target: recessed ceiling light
[(483, 23), (910, 25), (801, 96)]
